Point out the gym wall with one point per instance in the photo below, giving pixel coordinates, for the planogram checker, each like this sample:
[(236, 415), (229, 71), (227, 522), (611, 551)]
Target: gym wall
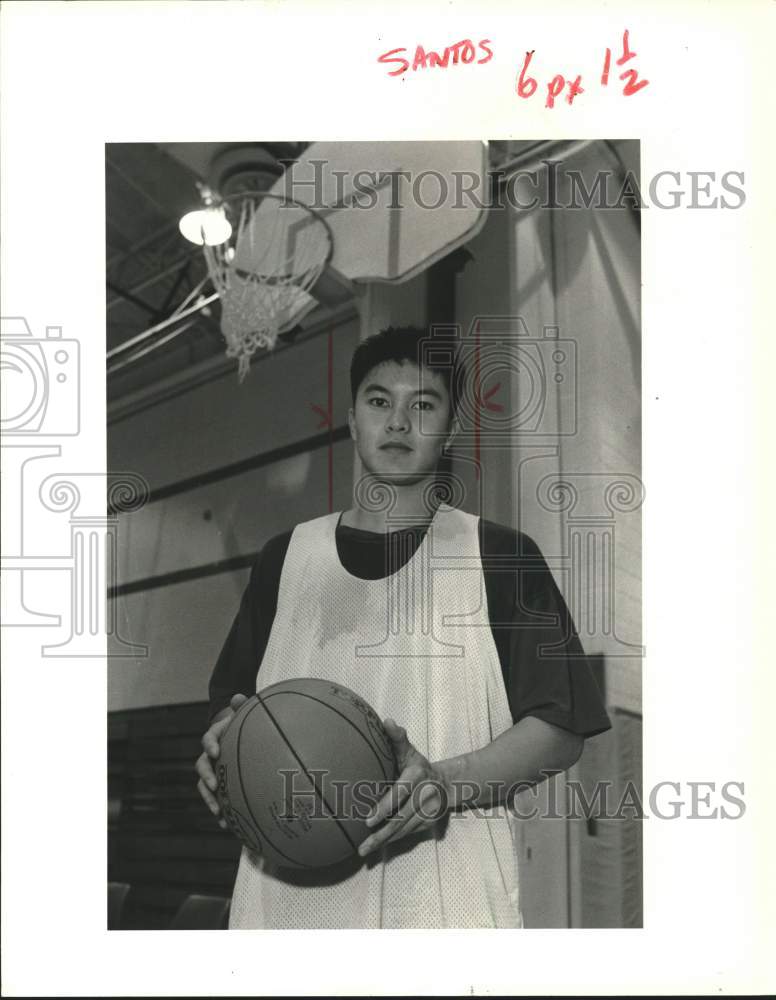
[(228, 467), (579, 271)]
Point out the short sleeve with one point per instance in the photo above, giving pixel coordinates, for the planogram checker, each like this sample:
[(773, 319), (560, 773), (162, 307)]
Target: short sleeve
[(238, 663), (546, 671)]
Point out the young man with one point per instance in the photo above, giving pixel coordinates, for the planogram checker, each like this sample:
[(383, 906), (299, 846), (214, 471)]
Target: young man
[(452, 628)]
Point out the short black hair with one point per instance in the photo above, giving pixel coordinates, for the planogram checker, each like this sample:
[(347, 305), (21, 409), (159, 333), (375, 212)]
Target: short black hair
[(437, 352)]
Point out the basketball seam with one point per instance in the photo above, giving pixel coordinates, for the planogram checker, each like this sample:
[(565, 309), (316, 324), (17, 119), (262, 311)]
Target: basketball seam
[(318, 791), (350, 722), (245, 794)]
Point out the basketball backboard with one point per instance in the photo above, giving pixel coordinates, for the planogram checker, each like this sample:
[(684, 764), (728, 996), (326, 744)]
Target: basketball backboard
[(393, 207)]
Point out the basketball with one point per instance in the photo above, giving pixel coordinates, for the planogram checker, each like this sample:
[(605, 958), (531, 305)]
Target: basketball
[(300, 766)]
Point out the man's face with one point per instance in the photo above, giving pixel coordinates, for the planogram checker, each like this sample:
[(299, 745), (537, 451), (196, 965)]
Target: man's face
[(401, 421)]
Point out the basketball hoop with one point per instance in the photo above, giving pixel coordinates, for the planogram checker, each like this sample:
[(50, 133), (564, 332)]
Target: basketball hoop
[(264, 271)]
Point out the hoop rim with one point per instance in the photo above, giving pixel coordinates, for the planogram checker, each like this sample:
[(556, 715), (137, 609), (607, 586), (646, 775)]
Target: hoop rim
[(284, 200)]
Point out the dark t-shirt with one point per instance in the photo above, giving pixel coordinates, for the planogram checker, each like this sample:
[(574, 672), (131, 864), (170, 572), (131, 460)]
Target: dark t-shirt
[(545, 670)]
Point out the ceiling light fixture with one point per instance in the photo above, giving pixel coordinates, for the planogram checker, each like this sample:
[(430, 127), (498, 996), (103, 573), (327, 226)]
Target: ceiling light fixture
[(207, 225)]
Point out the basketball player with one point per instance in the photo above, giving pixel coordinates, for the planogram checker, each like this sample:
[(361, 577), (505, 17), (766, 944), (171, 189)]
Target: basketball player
[(481, 681)]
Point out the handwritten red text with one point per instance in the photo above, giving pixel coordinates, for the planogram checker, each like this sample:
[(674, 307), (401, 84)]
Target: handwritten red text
[(465, 51), (560, 87)]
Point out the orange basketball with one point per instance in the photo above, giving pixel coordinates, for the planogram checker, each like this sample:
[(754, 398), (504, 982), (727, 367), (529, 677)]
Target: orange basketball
[(301, 764)]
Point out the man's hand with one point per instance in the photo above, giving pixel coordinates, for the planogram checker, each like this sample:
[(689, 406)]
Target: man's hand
[(417, 801), (208, 783), (522, 756)]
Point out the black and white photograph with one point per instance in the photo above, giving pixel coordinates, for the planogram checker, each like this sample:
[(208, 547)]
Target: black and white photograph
[(380, 407), (385, 396)]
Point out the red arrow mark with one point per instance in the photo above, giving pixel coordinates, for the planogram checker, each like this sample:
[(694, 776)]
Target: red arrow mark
[(325, 419), (484, 401)]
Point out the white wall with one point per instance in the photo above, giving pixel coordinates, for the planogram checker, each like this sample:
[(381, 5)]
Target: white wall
[(184, 623), (578, 271)]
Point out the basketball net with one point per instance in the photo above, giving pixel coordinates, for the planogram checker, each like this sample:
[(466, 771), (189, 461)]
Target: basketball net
[(264, 272)]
